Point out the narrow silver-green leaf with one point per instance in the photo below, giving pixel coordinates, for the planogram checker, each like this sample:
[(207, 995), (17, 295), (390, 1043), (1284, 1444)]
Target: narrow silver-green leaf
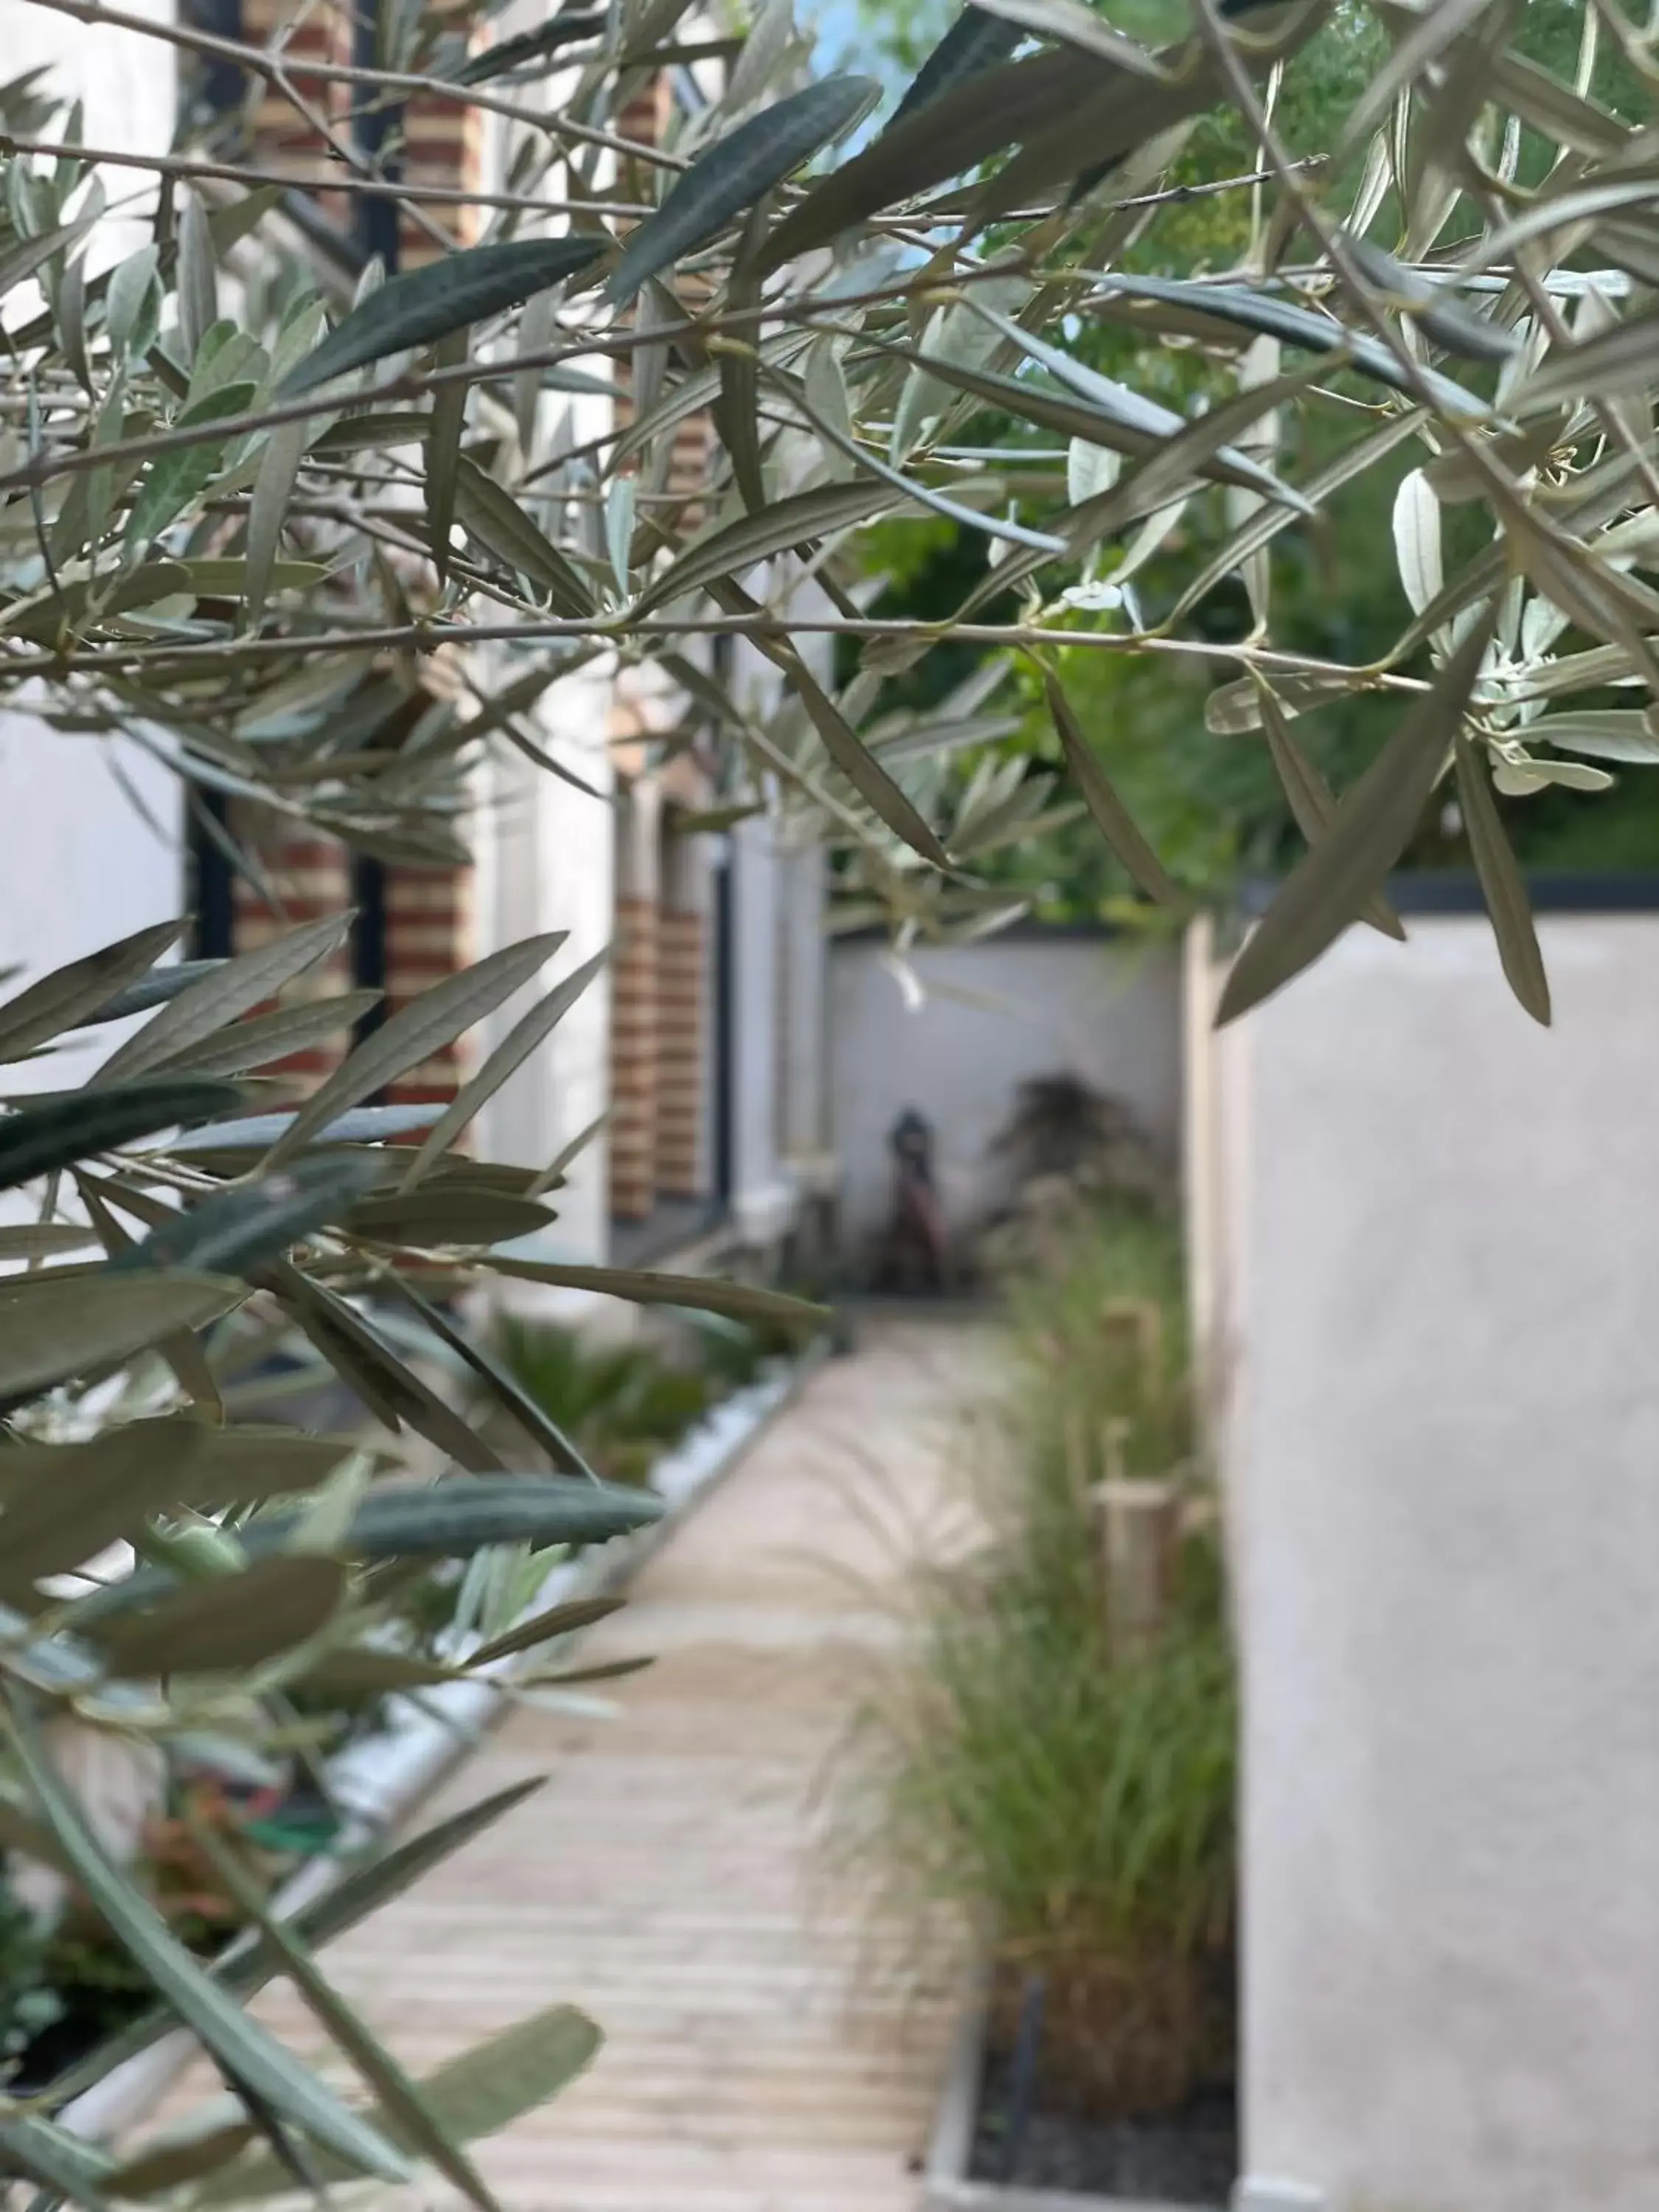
[(1312, 803), (79, 991), (234, 1233), (250, 1962), (470, 2096), (415, 1032), (1502, 885), (257, 1042), (974, 43), (153, 989), (973, 118), (1610, 733), (515, 1048), (1112, 817), (245, 2049), (401, 2111), (495, 518), (642, 1286), (443, 450), (279, 467), (424, 305), (38, 1140), (51, 1329), (198, 280), (785, 523), (234, 1622), (1072, 24), (508, 54), (65, 1502), (735, 172), (218, 998), (1268, 315), (558, 1620), (1374, 823)]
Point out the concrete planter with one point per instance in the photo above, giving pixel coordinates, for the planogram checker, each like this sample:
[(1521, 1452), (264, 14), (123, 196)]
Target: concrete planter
[(381, 1779), (946, 2185)]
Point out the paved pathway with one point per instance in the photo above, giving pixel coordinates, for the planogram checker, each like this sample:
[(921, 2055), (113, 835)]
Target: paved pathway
[(667, 1879)]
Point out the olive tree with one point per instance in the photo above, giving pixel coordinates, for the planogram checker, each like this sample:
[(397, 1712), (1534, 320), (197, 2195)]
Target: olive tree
[(228, 505)]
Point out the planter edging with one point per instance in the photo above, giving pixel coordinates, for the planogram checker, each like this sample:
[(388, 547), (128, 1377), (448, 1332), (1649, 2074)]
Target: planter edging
[(947, 2186), (382, 1779)]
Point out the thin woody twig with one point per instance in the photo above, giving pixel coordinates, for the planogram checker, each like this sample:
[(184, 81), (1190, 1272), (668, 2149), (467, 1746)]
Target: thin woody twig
[(438, 636), (272, 69), (237, 172)]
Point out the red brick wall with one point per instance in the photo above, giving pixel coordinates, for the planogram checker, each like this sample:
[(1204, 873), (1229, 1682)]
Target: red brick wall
[(681, 1021)]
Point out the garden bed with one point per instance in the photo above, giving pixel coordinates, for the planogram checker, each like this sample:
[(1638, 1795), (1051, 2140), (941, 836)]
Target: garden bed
[(377, 1779), (1003, 2144)]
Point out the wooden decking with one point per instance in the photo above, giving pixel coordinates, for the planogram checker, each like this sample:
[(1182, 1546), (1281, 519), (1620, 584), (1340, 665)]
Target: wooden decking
[(669, 1878)]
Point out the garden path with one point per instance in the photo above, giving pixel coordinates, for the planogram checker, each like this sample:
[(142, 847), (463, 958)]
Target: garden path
[(671, 1877)]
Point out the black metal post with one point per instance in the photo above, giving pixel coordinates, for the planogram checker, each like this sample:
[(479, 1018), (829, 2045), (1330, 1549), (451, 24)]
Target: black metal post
[(376, 225), (722, 1100)]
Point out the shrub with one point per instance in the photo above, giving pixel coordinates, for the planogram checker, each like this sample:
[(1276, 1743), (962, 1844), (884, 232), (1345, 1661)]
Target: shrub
[(1067, 1790)]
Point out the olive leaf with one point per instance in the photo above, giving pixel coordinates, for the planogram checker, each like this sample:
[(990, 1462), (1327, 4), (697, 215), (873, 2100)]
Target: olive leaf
[(1373, 824), (64, 1503), (198, 280), (1311, 801), (234, 1622), (641, 1286), (257, 1043), (470, 2096), (402, 2113), (780, 526), (964, 123), (974, 43), (219, 997), (443, 451), (525, 1035), (495, 518), (234, 1233), (273, 487), (1502, 886), (153, 989), (542, 1628), (415, 1032), (56, 1325), (507, 55), (734, 172), (250, 1961), (1267, 314), (81, 991), (1112, 819), (247, 2050), (449, 1519), (38, 1139), (425, 305)]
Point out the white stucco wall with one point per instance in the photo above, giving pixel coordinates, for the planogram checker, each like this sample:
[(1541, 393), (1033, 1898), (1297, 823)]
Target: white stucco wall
[(93, 846), (1443, 1455), (992, 1014), (545, 856), (92, 854), (127, 83)]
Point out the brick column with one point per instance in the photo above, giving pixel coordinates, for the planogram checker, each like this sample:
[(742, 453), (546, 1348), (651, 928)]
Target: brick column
[(680, 1053)]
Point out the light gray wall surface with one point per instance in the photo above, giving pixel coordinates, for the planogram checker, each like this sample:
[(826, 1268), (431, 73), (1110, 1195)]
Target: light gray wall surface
[(991, 1014), (1440, 1230)]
